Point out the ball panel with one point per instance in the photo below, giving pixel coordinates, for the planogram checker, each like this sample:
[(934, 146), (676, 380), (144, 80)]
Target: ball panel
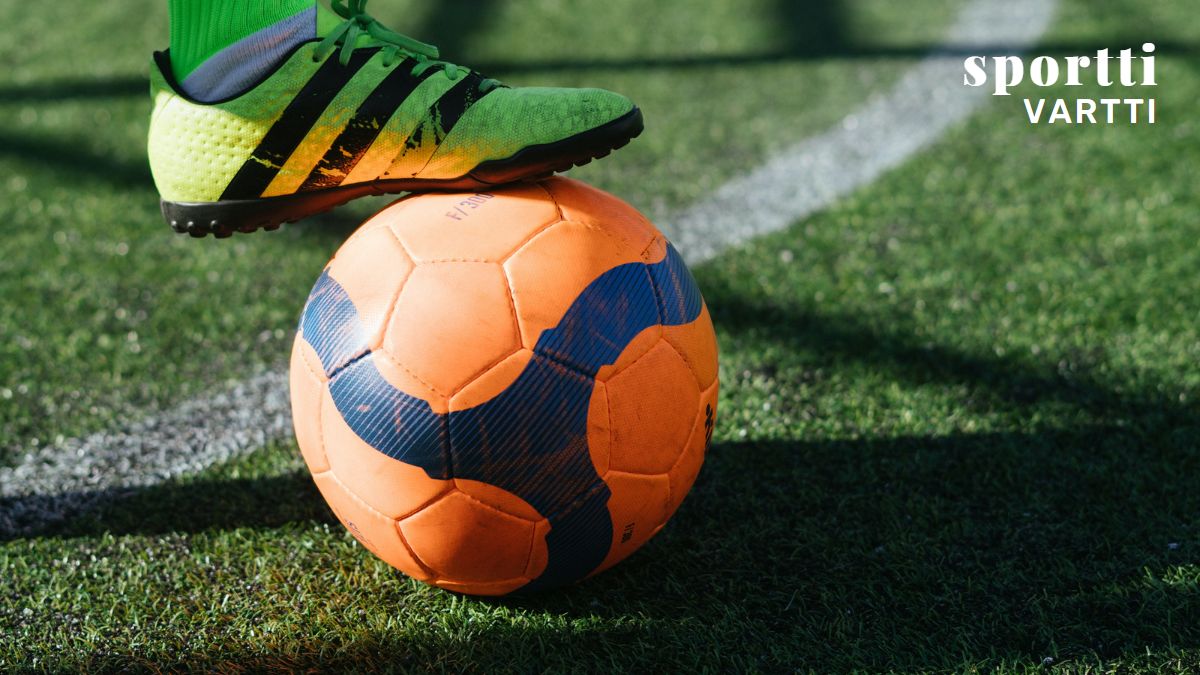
[(637, 348), (539, 554), (372, 270), (652, 405), (471, 226), (639, 508), (696, 342), (402, 378), (375, 531), (464, 540), (391, 487), (655, 251), (307, 385), (683, 475), (599, 432), (498, 498), (451, 322), (305, 356), (491, 382), (582, 203), (374, 222), (506, 502), (548, 273)]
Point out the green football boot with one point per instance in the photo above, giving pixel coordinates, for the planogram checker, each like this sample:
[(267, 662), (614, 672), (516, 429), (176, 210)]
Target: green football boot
[(362, 111)]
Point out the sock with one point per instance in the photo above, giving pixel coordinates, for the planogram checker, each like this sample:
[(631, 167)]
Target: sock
[(220, 48)]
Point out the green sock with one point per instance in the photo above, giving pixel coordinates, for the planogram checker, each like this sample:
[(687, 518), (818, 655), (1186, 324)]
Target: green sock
[(202, 28)]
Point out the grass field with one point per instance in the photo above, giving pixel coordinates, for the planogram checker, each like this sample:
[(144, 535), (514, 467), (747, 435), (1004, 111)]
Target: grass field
[(959, 426)]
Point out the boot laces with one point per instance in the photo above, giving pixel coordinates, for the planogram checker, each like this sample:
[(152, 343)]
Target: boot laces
[(396, 46)]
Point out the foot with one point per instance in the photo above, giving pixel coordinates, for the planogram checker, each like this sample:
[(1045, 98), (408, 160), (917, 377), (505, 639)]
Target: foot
[(363, 111)]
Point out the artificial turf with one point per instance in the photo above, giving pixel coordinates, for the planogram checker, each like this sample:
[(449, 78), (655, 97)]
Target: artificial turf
[(959, 432)]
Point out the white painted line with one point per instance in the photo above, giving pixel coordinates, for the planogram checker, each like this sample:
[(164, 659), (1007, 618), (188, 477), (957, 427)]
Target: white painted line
[(57, 481), (806, 178), (60, 480)]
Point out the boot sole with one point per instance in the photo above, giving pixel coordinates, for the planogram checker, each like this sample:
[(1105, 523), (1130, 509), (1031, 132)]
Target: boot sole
[(221, 219)]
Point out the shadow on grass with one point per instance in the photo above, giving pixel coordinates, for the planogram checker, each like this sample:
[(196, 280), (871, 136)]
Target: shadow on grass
[(178, 506), (898, 350), (76, 89), (71, 161), (914, 553), (910, 552), (453, 25), (906, 553), (487, 649)]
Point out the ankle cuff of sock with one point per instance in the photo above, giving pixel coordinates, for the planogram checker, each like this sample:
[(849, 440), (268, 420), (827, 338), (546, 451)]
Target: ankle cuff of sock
[(202, 28)]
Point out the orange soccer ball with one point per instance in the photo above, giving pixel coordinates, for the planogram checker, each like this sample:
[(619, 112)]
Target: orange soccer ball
[(506, 390)]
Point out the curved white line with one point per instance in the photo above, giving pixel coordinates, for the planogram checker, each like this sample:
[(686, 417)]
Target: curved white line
[(875, 138)]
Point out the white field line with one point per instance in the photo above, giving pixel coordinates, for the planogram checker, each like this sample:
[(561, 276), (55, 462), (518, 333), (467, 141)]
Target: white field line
[(66, 478), (57, 481), (873, 139)]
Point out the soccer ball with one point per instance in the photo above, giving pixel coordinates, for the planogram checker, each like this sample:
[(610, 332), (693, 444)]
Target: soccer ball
[(505, 390)]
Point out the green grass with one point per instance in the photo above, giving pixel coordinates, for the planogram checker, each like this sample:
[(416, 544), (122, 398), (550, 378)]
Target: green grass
[(959, 422)]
